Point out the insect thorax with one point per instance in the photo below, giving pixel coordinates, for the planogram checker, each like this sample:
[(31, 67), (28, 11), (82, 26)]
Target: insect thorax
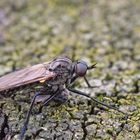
[(62, 67)]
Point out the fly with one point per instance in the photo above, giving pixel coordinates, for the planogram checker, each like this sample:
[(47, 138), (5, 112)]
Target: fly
[(57, 75)]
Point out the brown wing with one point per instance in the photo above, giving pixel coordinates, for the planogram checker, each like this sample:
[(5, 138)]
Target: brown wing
[(25, 76)]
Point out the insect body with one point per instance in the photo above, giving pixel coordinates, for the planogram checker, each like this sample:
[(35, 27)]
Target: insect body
[(56, 75)]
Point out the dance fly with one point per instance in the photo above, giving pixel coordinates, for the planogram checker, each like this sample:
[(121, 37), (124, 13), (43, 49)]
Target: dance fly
[(56, 76)]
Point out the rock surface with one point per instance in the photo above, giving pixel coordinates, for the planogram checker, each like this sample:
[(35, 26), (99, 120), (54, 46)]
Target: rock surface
[(106, 32)]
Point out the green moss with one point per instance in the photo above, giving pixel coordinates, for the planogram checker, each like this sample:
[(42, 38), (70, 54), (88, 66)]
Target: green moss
[(96, 31)]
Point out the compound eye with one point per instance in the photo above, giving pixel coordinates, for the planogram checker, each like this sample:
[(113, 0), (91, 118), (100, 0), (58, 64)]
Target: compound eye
[(81, 68)]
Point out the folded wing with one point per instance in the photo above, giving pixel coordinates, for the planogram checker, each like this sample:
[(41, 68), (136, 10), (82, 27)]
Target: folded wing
[(25, 76)]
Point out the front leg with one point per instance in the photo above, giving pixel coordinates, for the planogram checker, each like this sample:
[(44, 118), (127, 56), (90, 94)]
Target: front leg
[(88, 84)]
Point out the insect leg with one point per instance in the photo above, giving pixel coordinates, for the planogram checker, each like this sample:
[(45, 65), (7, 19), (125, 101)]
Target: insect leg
[(88, 84), (48, 99), (51, 98), (95, 100), (29, 112), (62, 97), (28, 116), (73, 79)]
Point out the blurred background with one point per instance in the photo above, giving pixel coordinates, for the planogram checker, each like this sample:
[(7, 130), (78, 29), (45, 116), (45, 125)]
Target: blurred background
[(102, 31)]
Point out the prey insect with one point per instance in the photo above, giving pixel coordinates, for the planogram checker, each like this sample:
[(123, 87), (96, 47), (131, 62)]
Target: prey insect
[(56, 76)]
